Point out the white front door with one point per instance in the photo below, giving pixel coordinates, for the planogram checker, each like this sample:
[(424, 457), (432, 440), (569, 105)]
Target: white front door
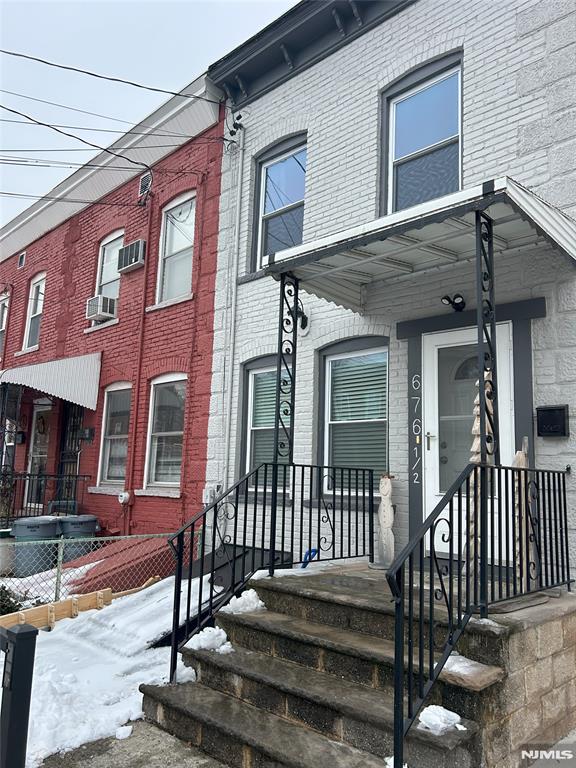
[(449, 375)]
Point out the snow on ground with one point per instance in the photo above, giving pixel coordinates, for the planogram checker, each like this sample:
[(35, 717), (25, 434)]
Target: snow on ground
[(463, 666), (41, 587), (389, 762), (484, 622), (438, 720), (211, 639), (248, 602), (88, 669), (314, 567)]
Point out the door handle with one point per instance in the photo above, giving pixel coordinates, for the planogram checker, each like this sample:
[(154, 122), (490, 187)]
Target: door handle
[(429, 436)]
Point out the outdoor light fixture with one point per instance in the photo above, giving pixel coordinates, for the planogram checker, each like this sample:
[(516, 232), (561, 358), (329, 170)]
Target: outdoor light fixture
[(456, 302), (300, 314)]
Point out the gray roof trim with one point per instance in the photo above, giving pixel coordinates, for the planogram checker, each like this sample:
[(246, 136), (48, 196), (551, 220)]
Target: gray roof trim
[(306, 34)]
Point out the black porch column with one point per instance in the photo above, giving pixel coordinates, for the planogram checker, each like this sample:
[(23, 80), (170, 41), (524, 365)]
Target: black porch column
[(286, 370), (285, 392), (487, 384)]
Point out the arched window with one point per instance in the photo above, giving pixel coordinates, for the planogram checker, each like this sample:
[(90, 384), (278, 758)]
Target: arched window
[(114, 443), (423, 135), (34, 311), (281, 181), (166, 430)]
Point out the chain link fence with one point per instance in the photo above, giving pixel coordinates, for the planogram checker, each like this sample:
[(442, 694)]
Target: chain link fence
[(38, 572)]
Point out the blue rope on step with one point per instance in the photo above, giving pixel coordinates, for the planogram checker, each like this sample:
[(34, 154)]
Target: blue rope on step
[(310, 555)]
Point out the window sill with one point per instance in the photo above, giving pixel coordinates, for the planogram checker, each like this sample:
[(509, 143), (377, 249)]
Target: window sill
[(106, 490), (249, 277), (35, 348), (169, 493), (100, 326), (169, 303)]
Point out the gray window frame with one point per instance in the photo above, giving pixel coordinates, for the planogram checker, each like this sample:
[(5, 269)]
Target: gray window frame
[(417, 77), (281, 148)]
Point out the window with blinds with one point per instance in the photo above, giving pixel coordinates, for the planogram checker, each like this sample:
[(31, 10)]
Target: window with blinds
[(357, 411), (261, 417)]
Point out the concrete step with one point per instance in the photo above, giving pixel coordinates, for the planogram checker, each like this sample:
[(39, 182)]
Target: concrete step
[(241, 735), (344, 711), (351, 656), (363, 603)]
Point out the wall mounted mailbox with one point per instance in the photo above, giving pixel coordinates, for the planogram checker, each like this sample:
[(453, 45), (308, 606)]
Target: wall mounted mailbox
[(553, 421)]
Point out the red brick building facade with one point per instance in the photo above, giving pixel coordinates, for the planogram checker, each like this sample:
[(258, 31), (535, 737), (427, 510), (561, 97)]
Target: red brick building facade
[(148, 433)]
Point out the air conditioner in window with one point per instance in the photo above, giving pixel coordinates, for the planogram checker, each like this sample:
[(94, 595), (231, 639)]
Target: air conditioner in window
[(131, 256), (100, 308)]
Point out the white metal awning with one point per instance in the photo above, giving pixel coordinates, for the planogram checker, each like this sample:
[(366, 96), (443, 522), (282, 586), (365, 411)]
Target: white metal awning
[(435, 234), (75, 379)]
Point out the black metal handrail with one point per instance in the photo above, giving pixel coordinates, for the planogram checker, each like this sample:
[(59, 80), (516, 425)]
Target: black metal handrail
[(276, 515), (498, 533), (28, 494)]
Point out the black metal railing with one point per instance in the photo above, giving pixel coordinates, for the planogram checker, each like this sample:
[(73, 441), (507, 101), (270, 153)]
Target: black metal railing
[(275, 516), (24, 494), (498, 533)]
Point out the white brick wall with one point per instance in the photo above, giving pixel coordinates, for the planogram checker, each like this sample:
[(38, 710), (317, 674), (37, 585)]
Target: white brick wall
[(519, 119)]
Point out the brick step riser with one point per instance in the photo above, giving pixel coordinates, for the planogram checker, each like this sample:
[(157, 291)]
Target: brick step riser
[(484, 648), (366, 672), (378, 740), (210, 739)]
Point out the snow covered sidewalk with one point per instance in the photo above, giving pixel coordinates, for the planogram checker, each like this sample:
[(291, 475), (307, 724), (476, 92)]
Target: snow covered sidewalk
[(88, 669)]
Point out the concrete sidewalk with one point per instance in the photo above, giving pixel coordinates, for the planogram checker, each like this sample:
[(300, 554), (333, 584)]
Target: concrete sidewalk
[(147, 747)]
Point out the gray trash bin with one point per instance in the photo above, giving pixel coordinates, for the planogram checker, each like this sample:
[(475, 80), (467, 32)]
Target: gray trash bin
[(77, 527), (35, 558), (6, 552)]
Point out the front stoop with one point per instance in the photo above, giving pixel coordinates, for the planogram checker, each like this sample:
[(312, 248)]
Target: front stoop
[(310, 682)]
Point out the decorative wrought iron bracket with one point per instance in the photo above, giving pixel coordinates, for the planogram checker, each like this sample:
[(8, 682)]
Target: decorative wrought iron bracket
[(286, 370)]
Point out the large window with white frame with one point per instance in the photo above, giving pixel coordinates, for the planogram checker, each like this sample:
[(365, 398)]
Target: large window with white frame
[(4, 301), (261, 407), (281, 202), (114, 448), (108, 278), (166, 430), (176, 250), (424, 138), (356, 410), (34, 312)]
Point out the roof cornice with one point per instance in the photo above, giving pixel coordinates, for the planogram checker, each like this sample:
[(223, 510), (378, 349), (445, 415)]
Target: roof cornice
[(300, 38)]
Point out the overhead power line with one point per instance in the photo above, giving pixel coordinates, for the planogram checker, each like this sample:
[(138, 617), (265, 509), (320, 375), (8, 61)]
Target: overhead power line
[(102, 130), (72, 136), (79, 149), (23, 162), (107, 77), (23, 195)]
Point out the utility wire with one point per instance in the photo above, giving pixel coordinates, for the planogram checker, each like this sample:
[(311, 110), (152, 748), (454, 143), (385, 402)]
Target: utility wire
[(72, 136), (29, 163), (86, 112), (102, 130), (107, 77), (23, 195), (124, 149)]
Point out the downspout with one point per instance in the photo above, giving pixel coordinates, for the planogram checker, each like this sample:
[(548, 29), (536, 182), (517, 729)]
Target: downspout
[(233, 302), (127, 507)]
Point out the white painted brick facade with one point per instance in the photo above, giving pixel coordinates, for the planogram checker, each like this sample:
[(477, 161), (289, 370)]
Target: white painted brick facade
[(519, 119)]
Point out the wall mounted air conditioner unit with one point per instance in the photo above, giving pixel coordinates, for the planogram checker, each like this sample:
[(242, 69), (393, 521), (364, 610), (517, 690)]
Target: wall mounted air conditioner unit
[(144, 186), (100, 308), (131, 256)]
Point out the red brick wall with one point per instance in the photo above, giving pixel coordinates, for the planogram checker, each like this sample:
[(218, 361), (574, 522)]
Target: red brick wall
[(171, 339)]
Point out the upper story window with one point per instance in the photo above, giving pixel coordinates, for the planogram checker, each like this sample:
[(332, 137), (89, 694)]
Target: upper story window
[(34, 312), (177, 245), (114, 450), (281, 202), (424, 137), (4, 300), (108, 280), (356, 410), (166, 431)]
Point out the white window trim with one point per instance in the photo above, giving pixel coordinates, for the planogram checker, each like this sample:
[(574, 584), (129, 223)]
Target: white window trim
[(116, 387), (39, 278), (328, 397), (262, 200), (183, 198), (4, 300), (164, 379), (103, 243), (392, 129)]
